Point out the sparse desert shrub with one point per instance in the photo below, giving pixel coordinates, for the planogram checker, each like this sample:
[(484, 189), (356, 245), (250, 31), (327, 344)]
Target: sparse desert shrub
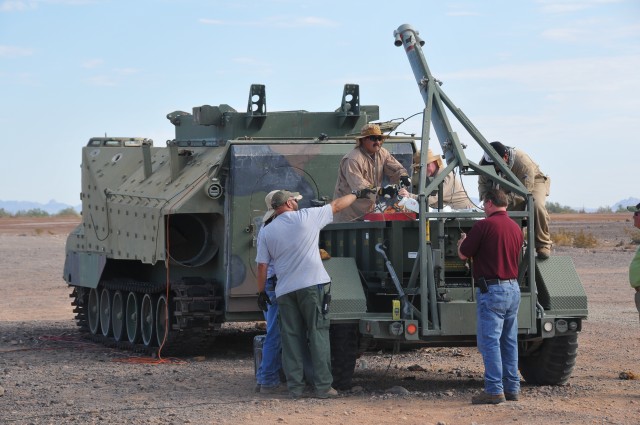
[(580, 239), (584, 240), (562, 238), (634, 234), (38, 231), (4, 213)]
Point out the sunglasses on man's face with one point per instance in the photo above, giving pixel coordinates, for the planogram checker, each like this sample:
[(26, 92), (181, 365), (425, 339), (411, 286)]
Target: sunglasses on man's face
[(375, 138)]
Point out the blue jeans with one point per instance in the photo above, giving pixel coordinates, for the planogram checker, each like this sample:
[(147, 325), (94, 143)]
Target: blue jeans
[(269, 371), (498, 337)]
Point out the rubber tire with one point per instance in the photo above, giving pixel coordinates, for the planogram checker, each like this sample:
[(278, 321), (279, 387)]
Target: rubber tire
[(344, 351), (552, 363)]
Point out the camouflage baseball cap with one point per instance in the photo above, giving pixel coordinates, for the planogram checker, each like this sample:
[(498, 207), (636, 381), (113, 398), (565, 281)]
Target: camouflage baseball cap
[(270, 212), (634, 209), (280, 197)]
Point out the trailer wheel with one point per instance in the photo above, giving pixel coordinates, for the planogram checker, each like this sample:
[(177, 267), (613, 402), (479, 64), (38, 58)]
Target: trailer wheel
[(552, 363), (344, 350)]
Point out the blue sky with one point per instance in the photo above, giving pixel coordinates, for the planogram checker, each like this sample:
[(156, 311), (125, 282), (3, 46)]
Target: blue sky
[(556, 78)]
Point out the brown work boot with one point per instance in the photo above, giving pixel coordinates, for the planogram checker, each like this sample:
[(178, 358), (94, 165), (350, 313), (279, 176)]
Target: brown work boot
[(543, 252), (484, 398), (330, 393), (277, 389), (511, 396)]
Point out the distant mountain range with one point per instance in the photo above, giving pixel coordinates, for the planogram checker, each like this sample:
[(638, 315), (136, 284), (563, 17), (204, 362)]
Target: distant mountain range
[(625, 203), (53, 207)]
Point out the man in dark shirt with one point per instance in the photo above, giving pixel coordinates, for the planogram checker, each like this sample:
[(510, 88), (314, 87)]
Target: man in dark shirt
[(495, 245)]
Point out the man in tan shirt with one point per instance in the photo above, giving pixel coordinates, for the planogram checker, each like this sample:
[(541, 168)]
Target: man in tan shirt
[(536, 182), (363, 168), (453, 194)]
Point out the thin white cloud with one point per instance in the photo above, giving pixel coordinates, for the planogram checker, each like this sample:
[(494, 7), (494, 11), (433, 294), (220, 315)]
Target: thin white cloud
[(311, 21), (254, 64), (126, 71), (563, 34), (207, 21), (275, 22), (570, 6), (458, 10), (92, 63), (246, 61), (71, 2), (26, 5), (591, 83), (113, 78), (17, 5), (596, 31), (14, 51), (101, 80)]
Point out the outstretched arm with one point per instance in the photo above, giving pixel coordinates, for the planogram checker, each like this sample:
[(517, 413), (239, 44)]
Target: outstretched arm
[(343, 202)]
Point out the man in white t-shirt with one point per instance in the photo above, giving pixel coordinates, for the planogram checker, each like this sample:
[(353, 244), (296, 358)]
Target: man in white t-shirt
[(290, 243)]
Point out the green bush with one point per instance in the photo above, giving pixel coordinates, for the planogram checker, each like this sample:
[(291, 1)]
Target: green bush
[(35, 212), (556, 208), (67, 212), (4, 213)]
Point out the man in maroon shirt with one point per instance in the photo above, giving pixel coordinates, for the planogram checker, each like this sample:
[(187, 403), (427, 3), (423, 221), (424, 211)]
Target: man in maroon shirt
[(495, 245)]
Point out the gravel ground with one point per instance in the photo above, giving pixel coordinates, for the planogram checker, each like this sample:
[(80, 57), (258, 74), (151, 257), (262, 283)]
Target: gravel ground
[(50, 375)]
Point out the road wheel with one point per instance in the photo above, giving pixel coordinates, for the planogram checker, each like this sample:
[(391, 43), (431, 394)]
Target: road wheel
[(93, 311), (161, 319), (147, 320), (344, 350), (105, 312), (552, 363), (132, 318), (117, 316)]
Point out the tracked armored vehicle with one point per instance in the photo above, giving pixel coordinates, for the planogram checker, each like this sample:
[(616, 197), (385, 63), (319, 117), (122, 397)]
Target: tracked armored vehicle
[(165, 253)]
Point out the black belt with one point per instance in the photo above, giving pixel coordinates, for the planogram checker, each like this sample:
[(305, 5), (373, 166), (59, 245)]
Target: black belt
[(497, 281)]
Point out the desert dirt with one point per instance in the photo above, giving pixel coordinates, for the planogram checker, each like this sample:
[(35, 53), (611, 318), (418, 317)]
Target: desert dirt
[(50, 375)]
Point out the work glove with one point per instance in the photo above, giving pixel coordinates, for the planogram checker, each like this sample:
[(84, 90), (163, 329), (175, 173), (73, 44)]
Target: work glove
[(405, 181), (389, 191), (363, 193), (263, 300)]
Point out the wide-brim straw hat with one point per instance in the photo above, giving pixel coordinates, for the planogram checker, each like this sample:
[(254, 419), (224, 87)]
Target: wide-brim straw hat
[(431, 157), (370, 130)]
